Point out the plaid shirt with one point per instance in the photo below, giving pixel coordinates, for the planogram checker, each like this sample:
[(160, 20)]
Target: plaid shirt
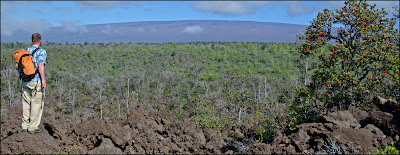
[(39, 57)]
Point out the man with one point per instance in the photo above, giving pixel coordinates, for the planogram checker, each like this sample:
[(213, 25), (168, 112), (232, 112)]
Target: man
[(33, 91)]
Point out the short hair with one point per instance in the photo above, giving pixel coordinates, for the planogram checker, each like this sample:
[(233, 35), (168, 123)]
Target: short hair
[(36, 38)]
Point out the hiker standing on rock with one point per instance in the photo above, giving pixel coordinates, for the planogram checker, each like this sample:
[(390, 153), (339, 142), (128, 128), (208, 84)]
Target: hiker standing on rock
[(33, 91)]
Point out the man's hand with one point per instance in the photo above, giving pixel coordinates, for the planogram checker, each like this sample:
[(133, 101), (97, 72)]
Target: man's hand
[(44, 84)]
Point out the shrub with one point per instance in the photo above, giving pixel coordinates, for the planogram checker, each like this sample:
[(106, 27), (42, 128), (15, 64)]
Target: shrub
[(362, 62), (391, 149)]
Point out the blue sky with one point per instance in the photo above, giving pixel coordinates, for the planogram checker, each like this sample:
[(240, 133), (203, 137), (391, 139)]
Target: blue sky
[(38, 16)]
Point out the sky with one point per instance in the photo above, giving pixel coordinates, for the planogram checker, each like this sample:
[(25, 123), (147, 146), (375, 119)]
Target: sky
[(39, 16)]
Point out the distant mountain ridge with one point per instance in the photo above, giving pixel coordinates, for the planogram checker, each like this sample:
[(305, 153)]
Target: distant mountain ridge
[(172, 31)]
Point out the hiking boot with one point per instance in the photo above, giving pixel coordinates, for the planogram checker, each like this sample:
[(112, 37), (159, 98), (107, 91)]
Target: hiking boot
[(39, 130), (24, 130)]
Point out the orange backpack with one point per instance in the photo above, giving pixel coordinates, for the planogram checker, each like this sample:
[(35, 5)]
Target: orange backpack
[(25, 66)]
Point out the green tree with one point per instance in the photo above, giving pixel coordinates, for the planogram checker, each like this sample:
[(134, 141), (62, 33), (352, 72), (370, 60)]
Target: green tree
[(363, 60)]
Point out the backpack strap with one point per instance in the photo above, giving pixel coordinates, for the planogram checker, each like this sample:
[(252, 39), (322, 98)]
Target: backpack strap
[(35, 51)]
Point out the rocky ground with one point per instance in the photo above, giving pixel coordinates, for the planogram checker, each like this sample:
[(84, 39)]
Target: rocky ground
[(351, 131)]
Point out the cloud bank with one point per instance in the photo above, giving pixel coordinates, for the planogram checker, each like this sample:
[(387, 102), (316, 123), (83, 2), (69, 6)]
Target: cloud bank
[(30, 25), (296, 8), (103, 4), (193, 29), (71, 26), (235, 8)]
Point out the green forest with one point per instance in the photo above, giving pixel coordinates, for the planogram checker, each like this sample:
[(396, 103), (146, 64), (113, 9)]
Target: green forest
[(210, 83)]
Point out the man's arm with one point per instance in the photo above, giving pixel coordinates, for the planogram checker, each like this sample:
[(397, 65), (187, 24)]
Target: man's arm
[(42, 76)]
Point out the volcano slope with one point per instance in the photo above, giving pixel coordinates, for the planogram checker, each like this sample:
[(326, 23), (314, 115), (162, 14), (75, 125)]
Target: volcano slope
[(350, 131)]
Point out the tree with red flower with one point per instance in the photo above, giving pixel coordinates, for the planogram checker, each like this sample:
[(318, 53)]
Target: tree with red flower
[(362, 62)]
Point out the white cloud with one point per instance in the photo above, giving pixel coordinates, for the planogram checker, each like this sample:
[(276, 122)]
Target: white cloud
[(236, 8), (107, 29), (72, 27), (9, 26), (379, 4), (193, 29), (37, 11), (388, 5), (139, 29), (153, 30), (6, 8), (295, 8), (62, 8), (104, 4), (336, 4)]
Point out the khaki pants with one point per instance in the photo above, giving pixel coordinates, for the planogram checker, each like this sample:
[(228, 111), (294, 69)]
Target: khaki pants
[(32, 105)]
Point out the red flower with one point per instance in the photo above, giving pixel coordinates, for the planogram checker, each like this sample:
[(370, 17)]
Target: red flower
[(371, 47), (308, 50), (370, 78), (365, 7), (329, 53), (327, 94), (344, 9), (373, 37), (358, 51), (314, 73), (323, 32), (366, 12), (366, 54), (355, 61), (332, 48), (338, 47), (339, 82), (325, 83), (384, 72)]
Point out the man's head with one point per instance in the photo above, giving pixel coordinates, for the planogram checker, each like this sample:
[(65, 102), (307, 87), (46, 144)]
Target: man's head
[(36, 38)]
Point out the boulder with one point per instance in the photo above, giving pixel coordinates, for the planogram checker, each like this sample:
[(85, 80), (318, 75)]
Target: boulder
[(379, 139), (360, 115), (387, 122), (25, 143), (106, 147), (354, 140), (387, 105), (343, 119)]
